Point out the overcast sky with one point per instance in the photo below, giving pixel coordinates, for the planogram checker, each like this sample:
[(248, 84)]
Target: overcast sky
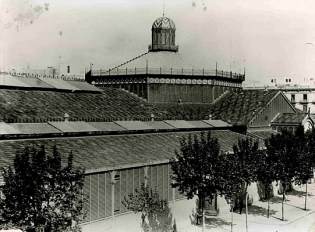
[(268, 38)]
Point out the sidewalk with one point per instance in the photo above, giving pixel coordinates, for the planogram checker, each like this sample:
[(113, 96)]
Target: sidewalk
[(296, 219)]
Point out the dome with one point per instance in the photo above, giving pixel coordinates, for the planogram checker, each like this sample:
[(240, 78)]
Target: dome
[(163, 23)]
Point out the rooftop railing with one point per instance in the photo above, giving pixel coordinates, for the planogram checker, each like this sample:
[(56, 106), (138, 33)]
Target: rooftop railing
[(167, 71)]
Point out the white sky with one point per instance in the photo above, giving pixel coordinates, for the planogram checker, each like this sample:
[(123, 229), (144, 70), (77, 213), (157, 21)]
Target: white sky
[(268, 38)]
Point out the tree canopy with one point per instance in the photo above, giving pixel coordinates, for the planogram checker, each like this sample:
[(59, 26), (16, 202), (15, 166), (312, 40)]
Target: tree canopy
[(39, 194)]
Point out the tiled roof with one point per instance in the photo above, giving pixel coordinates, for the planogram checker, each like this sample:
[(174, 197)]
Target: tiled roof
[(41, 106), (106, 152), (240, 106), (290, 118), (261, 134)]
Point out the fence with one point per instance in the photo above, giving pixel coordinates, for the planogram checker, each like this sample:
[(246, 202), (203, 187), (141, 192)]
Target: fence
[(167, 71)]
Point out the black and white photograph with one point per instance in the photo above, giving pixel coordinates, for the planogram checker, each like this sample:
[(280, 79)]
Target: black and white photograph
[(157, 116)]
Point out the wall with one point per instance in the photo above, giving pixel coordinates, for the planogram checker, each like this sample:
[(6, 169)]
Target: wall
[(98, 188), (278, 105)]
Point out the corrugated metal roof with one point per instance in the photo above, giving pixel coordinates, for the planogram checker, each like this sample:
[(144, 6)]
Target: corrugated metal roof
[(134, 125), (35, 128), (159, 125), (180, 124), (58, 83), (11, 81), (69, 127), (6, 129), (106, 126), (217, 123), (83, 86)]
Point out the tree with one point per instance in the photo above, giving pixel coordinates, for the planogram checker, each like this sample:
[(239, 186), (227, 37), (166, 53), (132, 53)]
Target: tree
[(156, 211), (306, 143), (266, 175), (40, 194), (246, 152), (230, 179), (283, 152), (195, 168)]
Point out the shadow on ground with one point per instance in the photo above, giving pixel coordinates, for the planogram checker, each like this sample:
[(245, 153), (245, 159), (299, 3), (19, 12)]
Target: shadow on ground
[(216, 222), (298, 193), (260, 211), (276, 200)]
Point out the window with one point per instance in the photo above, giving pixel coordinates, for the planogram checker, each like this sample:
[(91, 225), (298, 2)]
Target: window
[(292, 97), (305, 108), (271, 80), (68, 69), (286, 80), (289, 80), (305, 97)]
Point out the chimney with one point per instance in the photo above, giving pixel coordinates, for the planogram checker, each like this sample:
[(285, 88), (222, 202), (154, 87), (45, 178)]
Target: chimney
[(66, 117), (152, 117)]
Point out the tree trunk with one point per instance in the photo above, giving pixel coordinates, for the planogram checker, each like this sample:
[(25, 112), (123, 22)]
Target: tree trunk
[(203, 220), (232, 217), (268, 210), (283, 197), (305, 195)]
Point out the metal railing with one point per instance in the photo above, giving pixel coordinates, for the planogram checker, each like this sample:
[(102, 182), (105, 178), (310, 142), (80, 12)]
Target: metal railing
[(167, 71)]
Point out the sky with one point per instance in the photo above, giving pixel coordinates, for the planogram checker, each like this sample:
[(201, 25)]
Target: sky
[(269, 38)]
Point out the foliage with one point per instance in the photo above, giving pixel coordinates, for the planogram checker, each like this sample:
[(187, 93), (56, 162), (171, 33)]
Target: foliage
[(195, 169), (247, 155), (40, 194), (230, 178), (157, 211), (306, 154)]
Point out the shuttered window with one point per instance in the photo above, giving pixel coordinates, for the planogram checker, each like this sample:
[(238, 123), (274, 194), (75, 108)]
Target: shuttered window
[(117, 193), (102, 195), (94, 197), (108, 190)]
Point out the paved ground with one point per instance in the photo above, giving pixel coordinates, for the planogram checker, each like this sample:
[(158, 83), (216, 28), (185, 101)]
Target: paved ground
[(296, 219)]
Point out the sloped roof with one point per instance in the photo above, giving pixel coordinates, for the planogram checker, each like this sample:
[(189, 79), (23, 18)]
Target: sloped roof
[(35, 128), (157, 60), (40, 106), (106, 152), (290, 118), (239, 107), (9, 80), (261, 134)]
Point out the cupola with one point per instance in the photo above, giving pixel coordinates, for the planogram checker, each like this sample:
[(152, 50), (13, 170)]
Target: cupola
[(163, 35)]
